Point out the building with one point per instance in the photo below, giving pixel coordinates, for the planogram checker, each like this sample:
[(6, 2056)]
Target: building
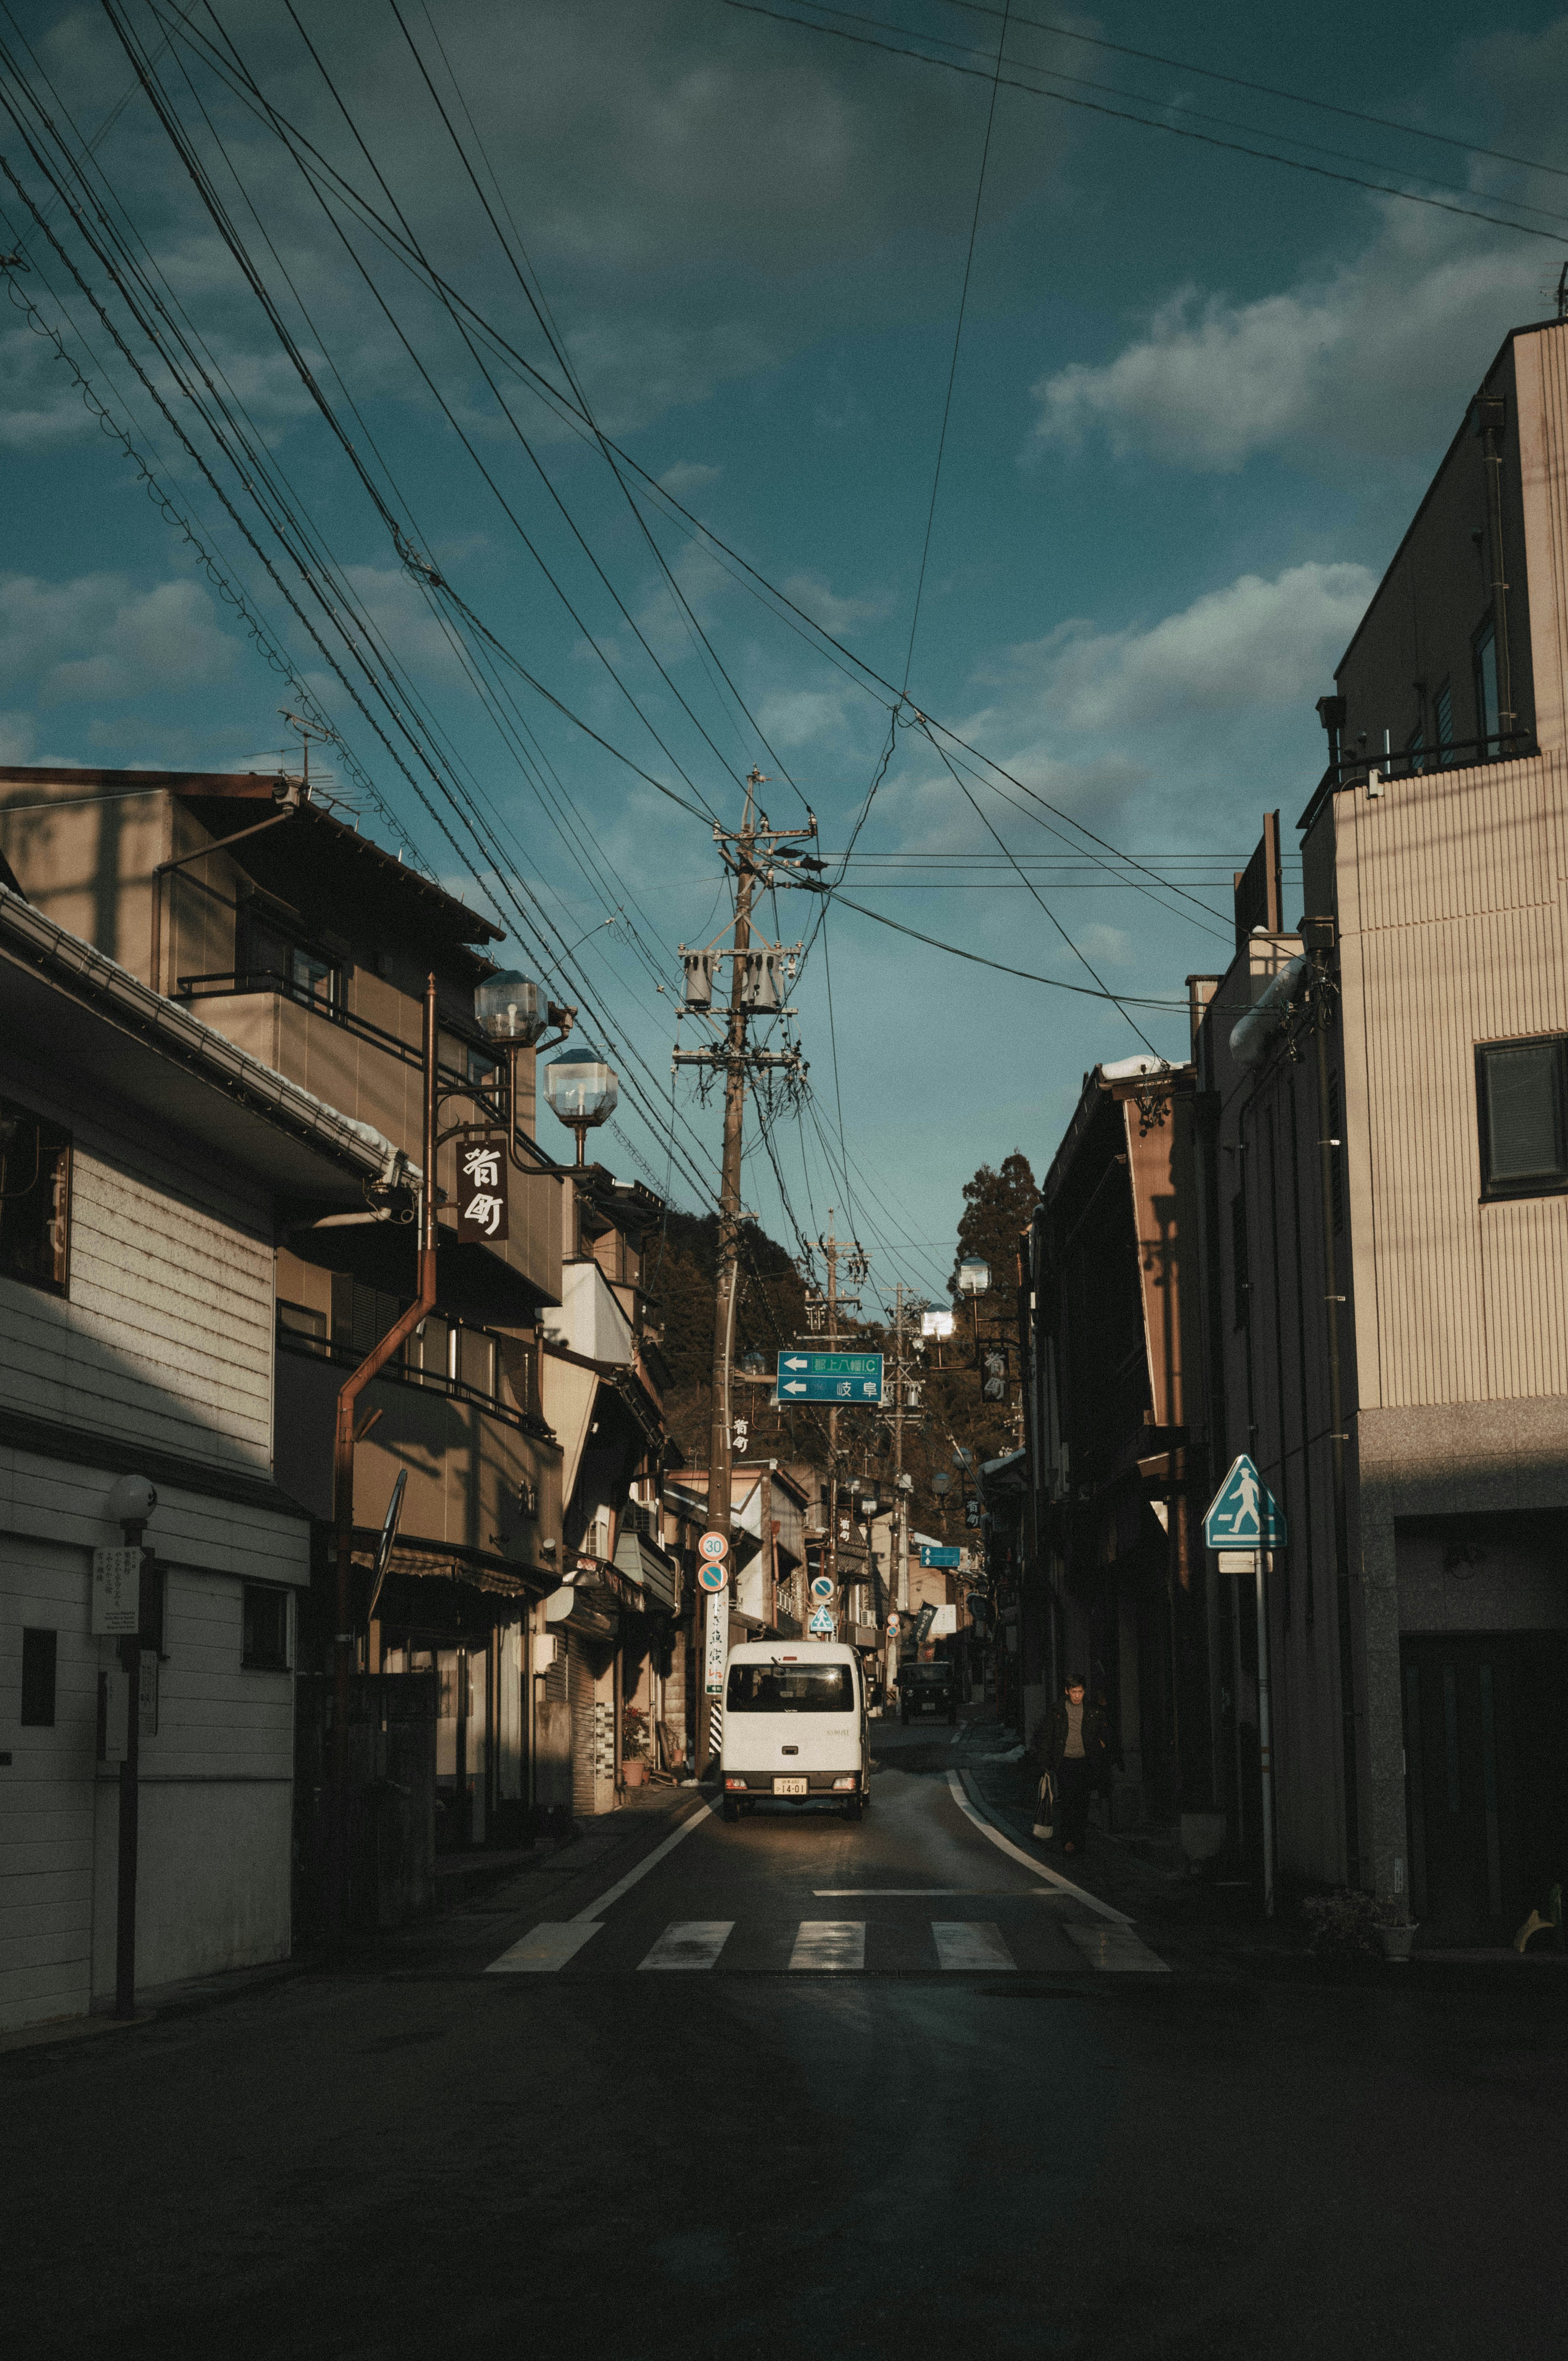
[(144, 1162), (1417, 1021), (246, 900), (1097, 1566)]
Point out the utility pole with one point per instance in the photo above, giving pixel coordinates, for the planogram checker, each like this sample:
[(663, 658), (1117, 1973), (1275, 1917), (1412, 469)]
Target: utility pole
[(835, 1250), (753, 992)]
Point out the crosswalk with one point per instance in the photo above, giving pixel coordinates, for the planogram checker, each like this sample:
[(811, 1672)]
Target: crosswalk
[(817, 1946)]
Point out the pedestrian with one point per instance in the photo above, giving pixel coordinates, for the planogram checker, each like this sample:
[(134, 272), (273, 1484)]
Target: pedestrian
[(1078, 1753)]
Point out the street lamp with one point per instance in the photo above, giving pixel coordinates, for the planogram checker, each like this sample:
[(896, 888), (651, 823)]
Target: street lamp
[(974, 1276), (752, 1365), (513, 1009), (940, 1481), (582, 1094)]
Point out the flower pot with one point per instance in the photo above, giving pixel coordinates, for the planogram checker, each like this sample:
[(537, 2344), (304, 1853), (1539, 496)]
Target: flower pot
[(634, 1775), (1397, 1941)]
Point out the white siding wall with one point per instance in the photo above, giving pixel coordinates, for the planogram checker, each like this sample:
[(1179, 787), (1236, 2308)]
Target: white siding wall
[(163, 1343), (166, 1339)]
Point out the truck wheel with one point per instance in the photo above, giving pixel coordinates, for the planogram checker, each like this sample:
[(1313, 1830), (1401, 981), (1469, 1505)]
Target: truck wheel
[(853, 1808), (732, 1807)]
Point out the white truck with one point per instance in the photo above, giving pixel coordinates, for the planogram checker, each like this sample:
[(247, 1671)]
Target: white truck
[(795, 1726)]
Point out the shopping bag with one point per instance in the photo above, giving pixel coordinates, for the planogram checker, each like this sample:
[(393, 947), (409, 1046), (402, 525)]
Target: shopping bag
[(1045, 1808)]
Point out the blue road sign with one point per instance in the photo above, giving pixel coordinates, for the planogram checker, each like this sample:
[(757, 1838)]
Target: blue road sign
[(931, 1556), (821, 1621), (830, 1377), (822, 1586), (1243, 1513)]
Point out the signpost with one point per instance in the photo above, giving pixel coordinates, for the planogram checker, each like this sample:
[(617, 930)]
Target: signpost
[(1244, 1525), (931, 1556), (116, 1593), (830, 1377), (713, 1574), (822, 1623), (1243, 1513), (821, 1586), (716, 1644)]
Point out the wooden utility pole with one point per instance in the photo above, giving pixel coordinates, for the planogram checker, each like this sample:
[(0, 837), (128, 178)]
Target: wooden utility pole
[(753, 991)]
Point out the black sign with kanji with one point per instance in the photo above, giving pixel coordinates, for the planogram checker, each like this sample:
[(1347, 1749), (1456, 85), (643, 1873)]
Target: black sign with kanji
[(482, 1190)]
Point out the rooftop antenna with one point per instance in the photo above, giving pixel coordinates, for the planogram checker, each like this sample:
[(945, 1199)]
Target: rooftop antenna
[(310, 734)]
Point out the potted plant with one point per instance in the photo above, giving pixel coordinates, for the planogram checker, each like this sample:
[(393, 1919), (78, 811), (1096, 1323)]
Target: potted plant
[(633, 1746)]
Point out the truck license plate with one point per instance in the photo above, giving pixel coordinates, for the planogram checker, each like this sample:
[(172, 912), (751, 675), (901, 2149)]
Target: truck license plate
[(789, 1787)]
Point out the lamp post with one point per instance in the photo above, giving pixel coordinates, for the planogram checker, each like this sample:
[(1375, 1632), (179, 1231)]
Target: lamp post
[(582, 1094)]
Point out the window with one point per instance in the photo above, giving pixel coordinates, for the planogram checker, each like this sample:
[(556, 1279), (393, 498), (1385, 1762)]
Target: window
[(302, 1328), (1240, 1265), (429, 1353), (1416, 748), (35, 1199), (362, 1315), (1522, 1090), (266, 1629), (39, 1650), (1442, 722), (786, 1687), (1485, 653), (305, 971), (477, 1361)]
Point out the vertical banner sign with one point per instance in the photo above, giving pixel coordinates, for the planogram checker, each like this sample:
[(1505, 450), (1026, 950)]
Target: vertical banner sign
[(717, 1645), (482, 1190)]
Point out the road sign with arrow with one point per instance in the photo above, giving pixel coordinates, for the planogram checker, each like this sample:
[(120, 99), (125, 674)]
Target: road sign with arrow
[(830, 1377)]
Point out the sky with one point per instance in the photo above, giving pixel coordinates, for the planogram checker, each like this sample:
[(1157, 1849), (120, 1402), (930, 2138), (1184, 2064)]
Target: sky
[(1195, 399)]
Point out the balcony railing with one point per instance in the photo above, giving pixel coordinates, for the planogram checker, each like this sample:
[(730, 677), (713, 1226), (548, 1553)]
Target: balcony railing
[(399, 1371), (1354, 769)]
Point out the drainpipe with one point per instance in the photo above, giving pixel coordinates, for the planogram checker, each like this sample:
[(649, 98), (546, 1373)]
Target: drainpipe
[(289, 796), (1332, 1298), (343, 1480), (1491, 415)]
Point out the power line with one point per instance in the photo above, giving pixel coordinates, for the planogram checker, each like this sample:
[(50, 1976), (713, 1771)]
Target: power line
[(1148, 123)]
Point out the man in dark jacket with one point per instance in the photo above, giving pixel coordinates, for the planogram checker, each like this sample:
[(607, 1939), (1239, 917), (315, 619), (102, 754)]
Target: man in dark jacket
[(1077, 1752)]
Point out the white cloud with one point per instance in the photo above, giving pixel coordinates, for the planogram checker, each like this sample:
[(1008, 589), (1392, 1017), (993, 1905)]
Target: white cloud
[(1256, 642), (1104, 946), (1369, 358), (838, 615), (688, 475), (96, 639)]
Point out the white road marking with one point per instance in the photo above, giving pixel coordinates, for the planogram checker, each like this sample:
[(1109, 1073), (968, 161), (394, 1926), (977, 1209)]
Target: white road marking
[(970, 1943), (703, 1812), (1118, 1950), (543, 1949), (1016, 1852), (925, 1894), (829, 1943), (689, 1943)]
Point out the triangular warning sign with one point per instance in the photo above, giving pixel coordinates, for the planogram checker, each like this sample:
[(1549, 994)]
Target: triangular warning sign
[(1244, 1512)]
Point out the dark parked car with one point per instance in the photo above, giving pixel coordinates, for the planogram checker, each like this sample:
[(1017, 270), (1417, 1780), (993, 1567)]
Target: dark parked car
[(927, 1688)]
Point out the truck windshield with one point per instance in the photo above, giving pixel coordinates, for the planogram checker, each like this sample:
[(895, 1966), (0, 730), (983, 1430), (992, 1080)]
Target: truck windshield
[(790, 1688)]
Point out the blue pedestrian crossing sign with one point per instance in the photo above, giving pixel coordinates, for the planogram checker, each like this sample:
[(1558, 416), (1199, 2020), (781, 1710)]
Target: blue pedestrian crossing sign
[(1243, 1513)]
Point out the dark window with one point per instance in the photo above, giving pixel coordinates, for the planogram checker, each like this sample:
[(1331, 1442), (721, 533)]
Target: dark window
[(1485, 645), (1442, 717), (303, 1329), (1416, 748), (362, 1315), (37, 1679), (1240, 1267), (1521, 1088), (266, 1629), (790, 1688), (303, 968), (35, 1199)]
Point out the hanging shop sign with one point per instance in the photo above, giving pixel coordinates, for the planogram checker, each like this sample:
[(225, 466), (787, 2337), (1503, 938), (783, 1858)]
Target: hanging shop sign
[(482, 1190)]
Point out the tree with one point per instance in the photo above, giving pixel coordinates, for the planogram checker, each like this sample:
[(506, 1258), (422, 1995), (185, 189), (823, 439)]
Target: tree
[(998, 1207)]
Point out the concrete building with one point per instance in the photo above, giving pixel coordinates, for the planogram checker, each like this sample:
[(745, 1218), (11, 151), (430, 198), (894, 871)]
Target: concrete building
[(1420, 1628), (144, 1161)]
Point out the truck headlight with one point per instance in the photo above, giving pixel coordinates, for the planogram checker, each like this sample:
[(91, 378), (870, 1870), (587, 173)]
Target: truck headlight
[(852, 1781)]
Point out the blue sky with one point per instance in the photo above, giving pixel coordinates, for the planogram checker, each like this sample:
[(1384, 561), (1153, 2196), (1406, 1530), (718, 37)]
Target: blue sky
[(1196, 399)]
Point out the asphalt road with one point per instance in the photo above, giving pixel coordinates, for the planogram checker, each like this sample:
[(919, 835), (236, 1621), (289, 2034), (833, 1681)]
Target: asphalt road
[(799, 2087)]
